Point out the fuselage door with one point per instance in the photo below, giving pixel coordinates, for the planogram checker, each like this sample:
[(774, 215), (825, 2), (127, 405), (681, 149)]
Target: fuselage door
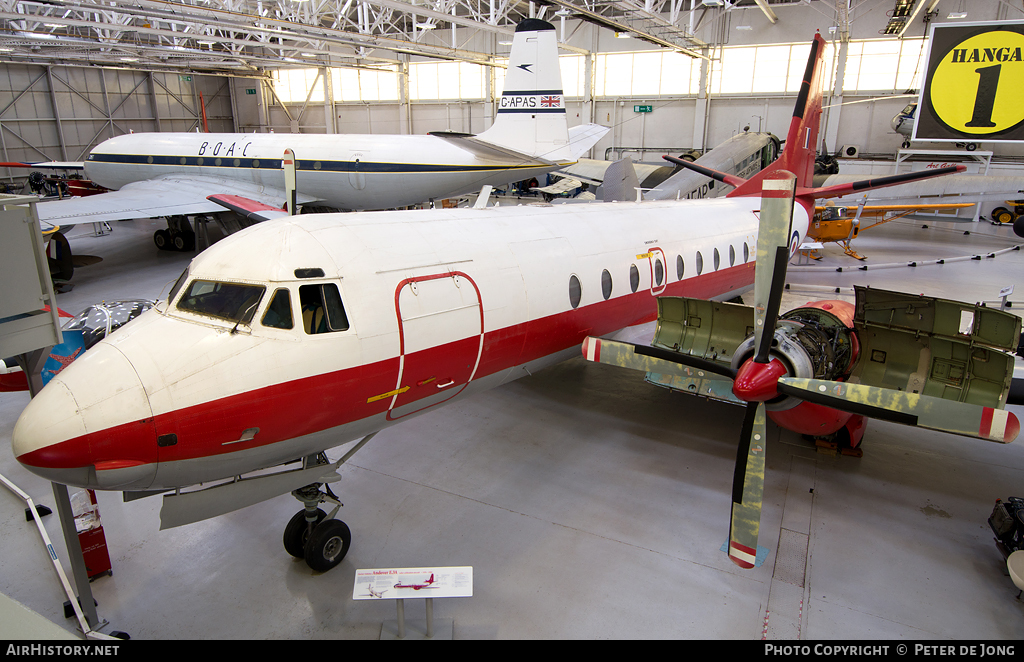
[(440, 322)]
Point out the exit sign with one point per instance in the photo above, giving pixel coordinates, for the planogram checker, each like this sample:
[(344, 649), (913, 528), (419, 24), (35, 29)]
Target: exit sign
[(250, 90), (186, 79), (643, 109)]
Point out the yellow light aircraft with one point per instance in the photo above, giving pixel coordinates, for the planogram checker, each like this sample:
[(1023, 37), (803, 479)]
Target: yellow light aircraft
[(843, 224)]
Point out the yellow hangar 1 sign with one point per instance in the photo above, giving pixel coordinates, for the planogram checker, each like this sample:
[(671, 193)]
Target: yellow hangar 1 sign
[(974, 84)]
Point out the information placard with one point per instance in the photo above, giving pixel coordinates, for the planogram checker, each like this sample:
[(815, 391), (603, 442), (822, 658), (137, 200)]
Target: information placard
[(401, 583)]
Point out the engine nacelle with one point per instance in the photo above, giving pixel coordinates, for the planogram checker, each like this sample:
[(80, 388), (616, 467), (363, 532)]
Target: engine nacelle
[(815, 341)]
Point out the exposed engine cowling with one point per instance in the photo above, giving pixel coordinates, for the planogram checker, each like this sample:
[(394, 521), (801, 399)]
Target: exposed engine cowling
[(815, 341)]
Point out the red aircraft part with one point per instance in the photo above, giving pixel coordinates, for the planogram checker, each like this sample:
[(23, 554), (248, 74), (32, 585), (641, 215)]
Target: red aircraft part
[(812, 419), (758, 382)]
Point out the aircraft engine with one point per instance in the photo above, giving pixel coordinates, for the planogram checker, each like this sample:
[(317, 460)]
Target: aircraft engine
[(811, 342)]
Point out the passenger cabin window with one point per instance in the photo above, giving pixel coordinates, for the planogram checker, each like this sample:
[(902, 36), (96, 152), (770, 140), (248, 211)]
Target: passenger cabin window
[(234, 302), (634, 277), (679, 266), (700, 263), (322, 310), (279, 312), (606, 284), (575, 291)]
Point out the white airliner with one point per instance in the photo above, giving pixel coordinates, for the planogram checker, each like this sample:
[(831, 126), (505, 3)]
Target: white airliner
[(172, 174), (298, 334)]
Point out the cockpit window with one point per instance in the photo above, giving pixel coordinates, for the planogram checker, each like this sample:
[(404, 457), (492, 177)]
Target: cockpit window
[(233, 302), (322, 309), (279, 312), (177, 285)]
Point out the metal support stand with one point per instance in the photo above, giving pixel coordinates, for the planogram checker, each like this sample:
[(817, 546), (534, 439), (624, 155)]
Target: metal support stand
[(425, 630), (75, 557)]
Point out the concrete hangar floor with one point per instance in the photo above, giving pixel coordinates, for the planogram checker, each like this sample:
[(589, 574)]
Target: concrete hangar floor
[(590, 504)]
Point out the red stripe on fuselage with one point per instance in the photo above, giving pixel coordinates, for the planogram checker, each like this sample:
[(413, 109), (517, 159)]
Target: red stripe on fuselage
[(320, 402)]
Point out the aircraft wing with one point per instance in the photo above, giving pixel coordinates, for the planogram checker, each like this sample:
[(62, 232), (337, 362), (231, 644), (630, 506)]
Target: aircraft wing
[(563, 185), (966, 188), (592, 171), (53, 165), (169, 195), (882, 210)]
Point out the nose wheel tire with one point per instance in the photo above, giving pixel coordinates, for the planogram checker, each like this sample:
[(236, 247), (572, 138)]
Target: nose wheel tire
[(327, 545), (296, 533)]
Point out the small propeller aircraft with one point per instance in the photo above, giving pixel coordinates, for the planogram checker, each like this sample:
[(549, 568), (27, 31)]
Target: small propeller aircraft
[(302, 333), (843, 224)]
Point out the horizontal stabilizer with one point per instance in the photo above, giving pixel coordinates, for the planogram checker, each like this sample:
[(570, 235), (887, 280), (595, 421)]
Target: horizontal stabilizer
[(490, 151), (882, 182), (585, 136), (967, 188), (923, 411), (725, 178), (250, 209)]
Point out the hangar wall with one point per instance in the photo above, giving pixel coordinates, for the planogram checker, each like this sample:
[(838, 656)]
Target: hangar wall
[(58, 113)]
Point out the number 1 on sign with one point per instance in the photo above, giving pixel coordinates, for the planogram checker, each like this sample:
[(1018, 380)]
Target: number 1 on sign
[(988, 81)]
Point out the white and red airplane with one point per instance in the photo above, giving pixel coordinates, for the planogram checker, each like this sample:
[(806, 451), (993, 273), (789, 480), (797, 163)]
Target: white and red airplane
[(173, 174), (416, 587), (299, 334)]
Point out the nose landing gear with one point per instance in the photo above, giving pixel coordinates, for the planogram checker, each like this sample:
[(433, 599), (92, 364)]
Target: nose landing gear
[(312, 534)]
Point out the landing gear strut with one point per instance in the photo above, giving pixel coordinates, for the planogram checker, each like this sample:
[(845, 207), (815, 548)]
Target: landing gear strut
[(178, 236), (312, 534)]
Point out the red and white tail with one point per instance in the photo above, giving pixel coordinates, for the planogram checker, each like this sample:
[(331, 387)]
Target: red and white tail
[(801, 142)]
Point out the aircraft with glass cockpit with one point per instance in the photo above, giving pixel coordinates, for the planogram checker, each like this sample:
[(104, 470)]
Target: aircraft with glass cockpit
[(299, 334)]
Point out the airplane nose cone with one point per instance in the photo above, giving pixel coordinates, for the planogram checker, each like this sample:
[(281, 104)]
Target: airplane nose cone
[(91, 426)]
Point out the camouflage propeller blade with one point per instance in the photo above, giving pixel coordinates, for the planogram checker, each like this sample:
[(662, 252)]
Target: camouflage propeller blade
[(772, 256), (748, 488), (649, 359), (923, 411)]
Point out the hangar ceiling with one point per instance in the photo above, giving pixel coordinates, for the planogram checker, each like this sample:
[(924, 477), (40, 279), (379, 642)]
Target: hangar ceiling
[(242, 37)]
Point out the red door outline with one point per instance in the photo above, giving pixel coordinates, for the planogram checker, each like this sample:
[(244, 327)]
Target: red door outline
[(439, 352)]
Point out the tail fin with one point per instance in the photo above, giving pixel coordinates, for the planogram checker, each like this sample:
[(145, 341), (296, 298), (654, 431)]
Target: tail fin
[(620, 181), (531, 113), (801, 142)]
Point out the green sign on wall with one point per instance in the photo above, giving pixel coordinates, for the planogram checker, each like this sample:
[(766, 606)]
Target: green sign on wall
[(643, 109), (250, 90)]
